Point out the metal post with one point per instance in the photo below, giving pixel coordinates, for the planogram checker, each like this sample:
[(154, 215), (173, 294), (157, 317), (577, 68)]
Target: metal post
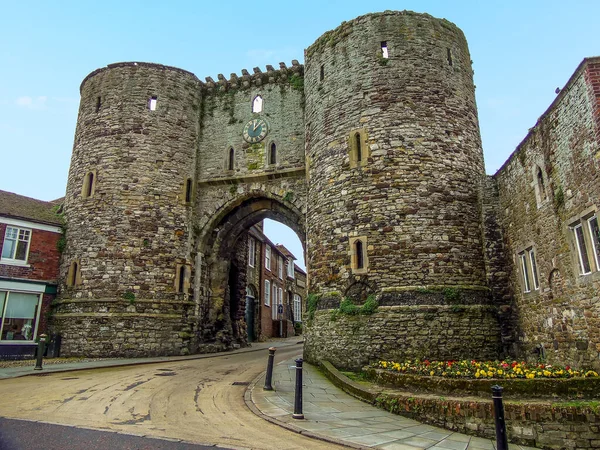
[(501, 442), (40, 352), (298, 397), (269, 375)]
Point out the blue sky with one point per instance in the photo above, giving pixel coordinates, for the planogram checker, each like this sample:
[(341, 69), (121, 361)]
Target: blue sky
[(521, 51)]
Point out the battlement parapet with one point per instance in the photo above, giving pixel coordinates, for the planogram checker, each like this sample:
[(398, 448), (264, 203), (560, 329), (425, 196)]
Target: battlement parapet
[(256, 78)]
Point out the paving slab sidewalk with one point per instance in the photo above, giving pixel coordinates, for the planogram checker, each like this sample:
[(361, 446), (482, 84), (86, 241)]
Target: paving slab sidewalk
[(332, 415)]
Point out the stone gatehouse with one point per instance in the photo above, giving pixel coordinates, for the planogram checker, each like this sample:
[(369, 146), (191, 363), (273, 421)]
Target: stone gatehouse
[(371, 152)]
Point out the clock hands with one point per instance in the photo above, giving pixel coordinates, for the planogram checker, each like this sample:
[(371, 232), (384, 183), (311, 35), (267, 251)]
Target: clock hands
[(256, 125)]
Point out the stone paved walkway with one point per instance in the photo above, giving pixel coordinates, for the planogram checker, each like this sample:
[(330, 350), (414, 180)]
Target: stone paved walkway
[(333, 415)]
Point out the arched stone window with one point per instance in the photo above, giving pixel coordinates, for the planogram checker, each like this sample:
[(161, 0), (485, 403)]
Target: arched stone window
[(182, 278), (358, 148), (231, 159), (89, 184), (188, 190), (359, 261), (73, 277), (358, 251), (273, 153), (542, 185), (257, 104)]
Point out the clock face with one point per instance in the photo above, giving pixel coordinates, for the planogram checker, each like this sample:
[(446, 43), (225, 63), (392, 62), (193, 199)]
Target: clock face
[(255, 130)]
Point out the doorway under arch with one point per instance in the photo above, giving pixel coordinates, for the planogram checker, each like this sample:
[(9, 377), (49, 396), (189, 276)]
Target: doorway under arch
[(230, 311)]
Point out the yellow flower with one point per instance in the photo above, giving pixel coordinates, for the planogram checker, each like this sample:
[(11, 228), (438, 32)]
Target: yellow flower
[(431, 373)]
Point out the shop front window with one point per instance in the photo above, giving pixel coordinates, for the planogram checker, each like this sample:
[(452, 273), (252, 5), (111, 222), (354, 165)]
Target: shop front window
[(19, 313)]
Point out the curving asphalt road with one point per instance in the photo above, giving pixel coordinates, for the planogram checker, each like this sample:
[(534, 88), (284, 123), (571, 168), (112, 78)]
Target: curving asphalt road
[(198, 401)]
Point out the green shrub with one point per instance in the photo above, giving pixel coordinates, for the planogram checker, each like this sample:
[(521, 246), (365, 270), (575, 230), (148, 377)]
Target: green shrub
[(370, 306), (349, 308)]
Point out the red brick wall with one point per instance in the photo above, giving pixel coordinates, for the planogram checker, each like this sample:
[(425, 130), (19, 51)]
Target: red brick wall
[(43, 257), (268, 327)]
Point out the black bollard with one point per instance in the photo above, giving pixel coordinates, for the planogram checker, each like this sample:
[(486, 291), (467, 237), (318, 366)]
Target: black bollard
[(298, 397), (269, 375), (40, 352), (501, 442)]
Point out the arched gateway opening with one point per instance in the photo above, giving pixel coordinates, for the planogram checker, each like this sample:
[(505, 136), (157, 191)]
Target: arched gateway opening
[(240, 298)]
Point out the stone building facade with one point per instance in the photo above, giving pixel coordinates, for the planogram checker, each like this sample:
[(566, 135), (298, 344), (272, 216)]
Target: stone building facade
[(371, 152), (548, 194)]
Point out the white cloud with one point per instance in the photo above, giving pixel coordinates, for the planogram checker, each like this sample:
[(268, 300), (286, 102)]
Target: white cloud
[(260, 54), (31, 102)]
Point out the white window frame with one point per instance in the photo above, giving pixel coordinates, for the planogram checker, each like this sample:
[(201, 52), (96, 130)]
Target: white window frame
[(267, 293), (37, 316), (525, 273), (12, 259), (251, 251), (534, 271), (579, 244), (297, 308), (595, 242), (268, 258), (290, 268), (280, 267), (275, 302)]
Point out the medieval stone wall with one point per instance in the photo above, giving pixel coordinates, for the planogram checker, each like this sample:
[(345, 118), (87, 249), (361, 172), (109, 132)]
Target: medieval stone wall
[(415, 194), (394, 160), (126, 215), (403, 332), (550, 186)]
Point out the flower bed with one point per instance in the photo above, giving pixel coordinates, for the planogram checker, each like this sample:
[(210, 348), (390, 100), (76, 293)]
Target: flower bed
[(507, 369), (519, 379)]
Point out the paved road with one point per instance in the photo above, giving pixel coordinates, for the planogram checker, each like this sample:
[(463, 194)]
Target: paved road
[(196, 401), (27, 435)]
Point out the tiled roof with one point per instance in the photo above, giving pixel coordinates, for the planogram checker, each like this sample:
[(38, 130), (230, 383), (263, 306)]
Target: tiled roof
[(297, 268), (26, 208), (285, 251)]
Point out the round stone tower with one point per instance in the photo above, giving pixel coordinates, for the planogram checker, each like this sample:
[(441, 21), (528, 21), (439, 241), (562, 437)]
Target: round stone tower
[(126, 268), (395, 166)]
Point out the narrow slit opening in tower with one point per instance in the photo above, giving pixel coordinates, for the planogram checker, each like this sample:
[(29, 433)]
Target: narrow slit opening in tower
[(449, 56), (358, 143), (322, 73), (541, 185), (231, 158), (74, 270), (273, 154), (384, 50), (152, 103), (89, 184), (181, 284), (98, 103), (188, 190), (257, 104), (360, 264)]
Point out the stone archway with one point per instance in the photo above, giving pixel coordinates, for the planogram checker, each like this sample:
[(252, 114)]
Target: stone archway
[(222, 277)]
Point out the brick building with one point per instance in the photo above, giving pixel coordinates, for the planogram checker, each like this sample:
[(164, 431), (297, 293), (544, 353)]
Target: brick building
[(30, 232), (271, 294)]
